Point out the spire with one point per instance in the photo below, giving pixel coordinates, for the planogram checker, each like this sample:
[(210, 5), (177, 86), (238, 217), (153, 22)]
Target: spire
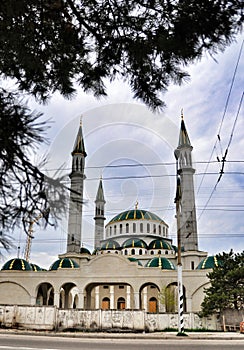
[(185, 190), (100, 193), (77, 177), (183, 138), (79, 142), (99, 216)]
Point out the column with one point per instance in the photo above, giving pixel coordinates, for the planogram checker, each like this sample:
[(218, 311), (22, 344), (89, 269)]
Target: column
[(111, 290), (128, 304), (136, 300), (97, 303), (33, 301), (144, 298), (80, 300), (56, 298)]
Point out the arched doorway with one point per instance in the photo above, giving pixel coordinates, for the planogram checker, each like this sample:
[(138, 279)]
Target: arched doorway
[(105, 304), (149, 297), (121, 304), (153, 305), (171, 298), (68, 296), (45, 294)]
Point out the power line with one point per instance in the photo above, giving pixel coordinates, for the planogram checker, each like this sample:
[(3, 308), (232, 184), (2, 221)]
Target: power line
[(141, 165), (224, 113), (224, 157)]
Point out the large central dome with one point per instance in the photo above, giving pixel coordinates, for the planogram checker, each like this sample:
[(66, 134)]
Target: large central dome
[(136, 214)]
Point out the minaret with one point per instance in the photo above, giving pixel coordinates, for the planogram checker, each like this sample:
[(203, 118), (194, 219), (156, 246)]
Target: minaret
[(188, 222), (77, 177), (99, 216)]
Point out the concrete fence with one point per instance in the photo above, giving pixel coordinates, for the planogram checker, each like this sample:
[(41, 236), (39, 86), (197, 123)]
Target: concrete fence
[(52, 318)]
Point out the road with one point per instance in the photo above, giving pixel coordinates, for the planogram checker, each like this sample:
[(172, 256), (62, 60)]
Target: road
[(27, 342)]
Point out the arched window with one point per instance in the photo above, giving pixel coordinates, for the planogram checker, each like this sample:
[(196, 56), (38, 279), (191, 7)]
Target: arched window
[(127, 228), (153, 305), (141, 227), (154, 228), (126, 252), (159, 230), (110, 230), (120, 228), (134, 227), (140, 252), (152, 252), (159, 252), (148, 228), (121, 304), (105, 304), (133, 251), (114, 229), (164, 231)]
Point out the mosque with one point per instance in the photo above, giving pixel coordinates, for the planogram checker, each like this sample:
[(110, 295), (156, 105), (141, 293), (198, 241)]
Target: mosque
[(134, 263)]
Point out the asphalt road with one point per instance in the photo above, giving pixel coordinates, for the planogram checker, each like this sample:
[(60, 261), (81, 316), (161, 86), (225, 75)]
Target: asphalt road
[(26, 342)]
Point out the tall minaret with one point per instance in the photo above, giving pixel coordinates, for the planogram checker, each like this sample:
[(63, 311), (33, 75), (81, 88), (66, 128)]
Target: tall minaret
[(99, 216), (188, 222), (77, 177)]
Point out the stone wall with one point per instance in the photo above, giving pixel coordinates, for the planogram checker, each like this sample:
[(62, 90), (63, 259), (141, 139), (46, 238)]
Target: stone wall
[(51, 318)]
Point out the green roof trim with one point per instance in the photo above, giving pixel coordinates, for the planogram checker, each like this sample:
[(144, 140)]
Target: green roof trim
[(65, 263), (209, 263), (17, 264), (163, 263), (160, 244), (134, 243), (135, 214)]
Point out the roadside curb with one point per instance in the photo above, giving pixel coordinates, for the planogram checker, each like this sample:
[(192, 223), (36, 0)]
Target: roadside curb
[(109, 335)]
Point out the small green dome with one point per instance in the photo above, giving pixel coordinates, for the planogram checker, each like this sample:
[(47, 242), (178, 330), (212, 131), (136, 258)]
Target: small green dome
[(36, 267), (163, 263), (135, 214), (17, 264), (136, 260), (111, 244), (160, 244), (134, 243), (65, 263), (208, 263), (84, 250), (176, 248)]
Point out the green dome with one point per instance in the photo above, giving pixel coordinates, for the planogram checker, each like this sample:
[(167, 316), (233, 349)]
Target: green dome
[(163, 263), (36, 267), (17, 264), (111, 244), (136, 260), (134, 243), (83, 250), (208, 263), (160, 244), (135, 214), (65, 263), (176, 248)]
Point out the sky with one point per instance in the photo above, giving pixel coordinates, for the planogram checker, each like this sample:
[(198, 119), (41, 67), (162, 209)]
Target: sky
[(124, 139)]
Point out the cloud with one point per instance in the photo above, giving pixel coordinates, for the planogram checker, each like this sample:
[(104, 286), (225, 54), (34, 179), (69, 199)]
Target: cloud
[(121, 131)]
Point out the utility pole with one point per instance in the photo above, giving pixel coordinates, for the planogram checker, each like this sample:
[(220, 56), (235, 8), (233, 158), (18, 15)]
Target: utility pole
[(179, 263)]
